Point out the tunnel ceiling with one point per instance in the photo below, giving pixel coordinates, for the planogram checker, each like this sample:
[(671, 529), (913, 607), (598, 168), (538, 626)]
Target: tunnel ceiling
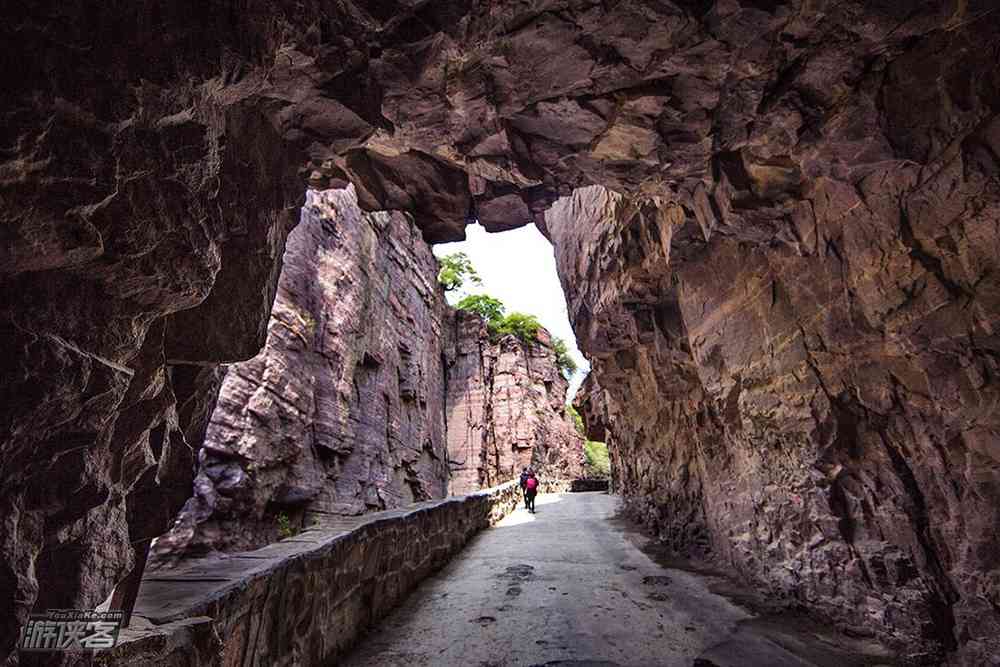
[(424, 105), (728, 108)]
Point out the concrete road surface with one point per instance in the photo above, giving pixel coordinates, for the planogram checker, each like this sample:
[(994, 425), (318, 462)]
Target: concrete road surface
[(569, 586)]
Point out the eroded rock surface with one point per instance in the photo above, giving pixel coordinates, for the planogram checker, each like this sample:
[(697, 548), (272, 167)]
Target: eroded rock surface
[(506, 410), (817, 418), (343, 411)]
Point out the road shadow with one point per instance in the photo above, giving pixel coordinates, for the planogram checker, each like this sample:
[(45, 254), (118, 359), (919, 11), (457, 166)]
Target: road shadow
[(806, 635)]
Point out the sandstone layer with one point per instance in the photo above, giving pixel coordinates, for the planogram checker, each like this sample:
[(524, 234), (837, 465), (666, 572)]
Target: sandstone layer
[(506, 410), (154, 157)]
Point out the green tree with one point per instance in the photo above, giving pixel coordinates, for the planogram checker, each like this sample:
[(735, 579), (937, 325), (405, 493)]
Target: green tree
[(487, 307), (285, 527), (521, 325), (456, 269), (564, 361), (598, 459)]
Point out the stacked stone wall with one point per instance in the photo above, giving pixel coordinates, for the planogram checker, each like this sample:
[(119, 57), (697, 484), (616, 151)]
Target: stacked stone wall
[(304, 600)]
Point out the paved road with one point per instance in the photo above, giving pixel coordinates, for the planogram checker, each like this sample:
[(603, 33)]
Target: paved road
[(570, 587)]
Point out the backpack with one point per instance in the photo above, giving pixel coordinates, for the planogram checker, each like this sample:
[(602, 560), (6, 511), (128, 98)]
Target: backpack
[(531, 484)]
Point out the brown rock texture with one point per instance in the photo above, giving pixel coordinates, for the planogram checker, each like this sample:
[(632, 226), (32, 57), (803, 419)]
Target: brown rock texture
[(506, 410), (343, 410), (147, 191), (842, 154), (815, 418)]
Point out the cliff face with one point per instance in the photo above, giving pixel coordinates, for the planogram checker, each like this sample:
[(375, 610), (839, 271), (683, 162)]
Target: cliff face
[(814, 415), (360, 397), (343, 410), (506, 410)]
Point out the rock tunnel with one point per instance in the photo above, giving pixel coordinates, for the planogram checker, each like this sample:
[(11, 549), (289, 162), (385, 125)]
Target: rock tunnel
[(776, 225)]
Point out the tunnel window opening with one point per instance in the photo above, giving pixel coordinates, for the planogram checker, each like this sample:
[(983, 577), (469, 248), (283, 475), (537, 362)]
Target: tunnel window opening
[(517, 269)]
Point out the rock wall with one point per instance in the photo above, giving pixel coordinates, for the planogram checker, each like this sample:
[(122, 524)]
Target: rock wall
[(343, 411), (815, 416), (506, 410), (154, 158)]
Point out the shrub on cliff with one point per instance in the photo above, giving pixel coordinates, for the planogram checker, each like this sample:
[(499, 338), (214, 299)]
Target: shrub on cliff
[(498, 324), (456, 269), (521, 325), (565, 362), (598, 461), (285, 527), (577, 420), (487, 307)]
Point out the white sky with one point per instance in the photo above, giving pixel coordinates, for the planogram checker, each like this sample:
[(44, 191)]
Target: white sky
[(519, 268)]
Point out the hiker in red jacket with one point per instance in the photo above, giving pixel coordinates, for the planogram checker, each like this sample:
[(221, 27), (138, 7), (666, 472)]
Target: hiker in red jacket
[(530, 490)]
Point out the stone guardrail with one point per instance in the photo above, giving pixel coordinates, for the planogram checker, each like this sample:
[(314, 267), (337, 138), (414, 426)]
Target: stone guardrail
[(572, 486), (581, 485), (303, 600), (554, 486)]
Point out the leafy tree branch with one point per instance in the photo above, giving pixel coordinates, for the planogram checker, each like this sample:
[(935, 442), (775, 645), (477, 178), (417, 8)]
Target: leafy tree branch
[(456, 270)]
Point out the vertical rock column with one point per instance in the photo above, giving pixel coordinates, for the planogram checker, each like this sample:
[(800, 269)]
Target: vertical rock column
[(343, 410)]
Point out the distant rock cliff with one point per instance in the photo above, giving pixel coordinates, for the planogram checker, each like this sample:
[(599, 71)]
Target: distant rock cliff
[(506, 410), (371, 392)]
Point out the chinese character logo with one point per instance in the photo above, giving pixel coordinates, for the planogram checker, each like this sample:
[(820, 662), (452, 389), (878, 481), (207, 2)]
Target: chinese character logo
[(71, 630)]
